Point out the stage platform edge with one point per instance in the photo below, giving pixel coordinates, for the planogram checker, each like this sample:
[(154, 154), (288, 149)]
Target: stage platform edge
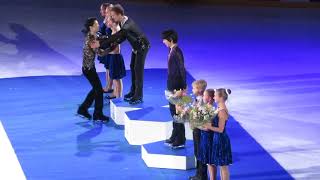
[(158, 155)]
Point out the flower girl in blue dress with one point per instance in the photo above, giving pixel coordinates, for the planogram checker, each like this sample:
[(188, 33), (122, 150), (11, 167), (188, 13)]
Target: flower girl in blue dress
[(206, 135), (220, 150)]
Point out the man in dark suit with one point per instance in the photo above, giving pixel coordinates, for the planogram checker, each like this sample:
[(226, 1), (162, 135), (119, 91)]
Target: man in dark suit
[(176, 81), (140, 46)]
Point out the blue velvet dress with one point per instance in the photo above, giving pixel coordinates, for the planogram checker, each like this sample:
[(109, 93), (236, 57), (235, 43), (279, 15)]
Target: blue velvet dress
[(220, 151), (117, 68), (205, 146)]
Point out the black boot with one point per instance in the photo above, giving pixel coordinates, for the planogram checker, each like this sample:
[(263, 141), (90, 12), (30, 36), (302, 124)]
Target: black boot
[(84, 113), (178, 145), (168, 142), (134, 101), (100, 117), (195, 178), (110, 97), (128, 96)]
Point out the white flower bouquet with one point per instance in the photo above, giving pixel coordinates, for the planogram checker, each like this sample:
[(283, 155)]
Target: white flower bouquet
[(197, 115), (200, 115)]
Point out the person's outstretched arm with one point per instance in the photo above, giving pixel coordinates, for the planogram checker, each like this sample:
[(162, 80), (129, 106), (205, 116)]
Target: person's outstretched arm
[(114, 39)]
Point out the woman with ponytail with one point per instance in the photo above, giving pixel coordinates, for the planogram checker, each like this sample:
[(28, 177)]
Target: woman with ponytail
[(220, 150), (90, 48)]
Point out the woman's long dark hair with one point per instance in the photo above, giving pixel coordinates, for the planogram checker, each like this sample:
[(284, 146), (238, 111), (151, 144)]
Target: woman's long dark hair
[(89, 22)]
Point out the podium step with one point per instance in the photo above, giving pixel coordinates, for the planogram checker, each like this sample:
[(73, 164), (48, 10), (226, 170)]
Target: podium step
[(118, 108), (158, 155), (147, 125)]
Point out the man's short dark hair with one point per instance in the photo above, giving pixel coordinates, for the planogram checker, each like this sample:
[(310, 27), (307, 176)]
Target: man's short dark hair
[(118, 9), (170, 35)]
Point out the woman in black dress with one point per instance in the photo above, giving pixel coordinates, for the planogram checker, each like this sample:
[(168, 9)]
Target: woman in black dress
[(90, 49)]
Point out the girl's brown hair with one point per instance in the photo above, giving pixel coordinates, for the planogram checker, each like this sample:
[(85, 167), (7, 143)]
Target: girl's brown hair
[(210, 93)]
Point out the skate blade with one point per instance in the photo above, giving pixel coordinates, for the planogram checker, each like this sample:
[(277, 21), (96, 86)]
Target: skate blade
[(81, 116), (178, 147)]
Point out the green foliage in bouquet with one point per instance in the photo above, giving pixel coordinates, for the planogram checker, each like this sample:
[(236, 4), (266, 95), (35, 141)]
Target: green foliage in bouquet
[(178, 100), (200, 115), (184, 100)]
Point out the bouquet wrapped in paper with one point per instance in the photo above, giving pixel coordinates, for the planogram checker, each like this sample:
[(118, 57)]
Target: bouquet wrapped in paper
[(196, 115), (178, 97)]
